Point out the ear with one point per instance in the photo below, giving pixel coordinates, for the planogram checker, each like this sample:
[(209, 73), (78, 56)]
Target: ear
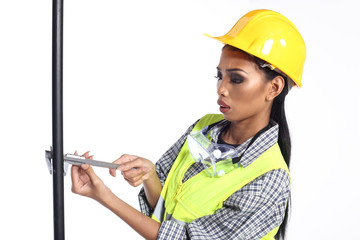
[(275, 87)]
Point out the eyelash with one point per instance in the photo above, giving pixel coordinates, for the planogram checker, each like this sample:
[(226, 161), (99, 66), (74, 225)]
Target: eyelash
[(234, 79)]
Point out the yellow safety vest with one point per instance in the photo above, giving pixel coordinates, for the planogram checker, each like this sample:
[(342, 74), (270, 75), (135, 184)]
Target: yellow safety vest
[(202, 195)]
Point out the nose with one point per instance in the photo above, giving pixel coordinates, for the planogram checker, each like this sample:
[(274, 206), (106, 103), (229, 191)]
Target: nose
[(222, 88)]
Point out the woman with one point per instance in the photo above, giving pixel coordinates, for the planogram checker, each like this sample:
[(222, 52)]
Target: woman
[(238, 187)]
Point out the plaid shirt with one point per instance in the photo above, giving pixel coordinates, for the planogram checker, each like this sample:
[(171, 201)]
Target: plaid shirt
[(249, 213)]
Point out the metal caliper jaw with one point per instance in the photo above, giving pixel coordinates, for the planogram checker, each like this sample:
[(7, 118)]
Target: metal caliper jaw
[(49, 162)]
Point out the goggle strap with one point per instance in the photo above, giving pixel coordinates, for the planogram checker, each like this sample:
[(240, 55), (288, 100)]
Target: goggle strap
[(237, 159)]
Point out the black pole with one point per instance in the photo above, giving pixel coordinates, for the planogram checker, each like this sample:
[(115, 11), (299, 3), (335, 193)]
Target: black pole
[(57, 119)]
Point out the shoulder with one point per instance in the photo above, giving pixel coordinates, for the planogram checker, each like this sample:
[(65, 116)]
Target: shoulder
[(275, 184), (270, 184)]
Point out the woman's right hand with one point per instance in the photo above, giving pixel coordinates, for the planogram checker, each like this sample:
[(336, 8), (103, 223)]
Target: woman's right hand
[(135, 169)]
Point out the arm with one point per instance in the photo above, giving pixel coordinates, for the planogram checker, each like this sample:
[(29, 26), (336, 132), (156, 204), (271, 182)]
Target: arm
[(144, 225), (85, 182)]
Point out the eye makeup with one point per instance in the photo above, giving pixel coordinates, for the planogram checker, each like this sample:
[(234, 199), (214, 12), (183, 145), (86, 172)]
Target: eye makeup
[(235, 78)]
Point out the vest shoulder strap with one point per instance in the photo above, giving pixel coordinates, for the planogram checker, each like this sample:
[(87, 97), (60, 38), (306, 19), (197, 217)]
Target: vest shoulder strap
[(206, 121)]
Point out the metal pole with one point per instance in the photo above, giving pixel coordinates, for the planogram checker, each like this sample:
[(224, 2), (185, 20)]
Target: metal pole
[(57, 119)]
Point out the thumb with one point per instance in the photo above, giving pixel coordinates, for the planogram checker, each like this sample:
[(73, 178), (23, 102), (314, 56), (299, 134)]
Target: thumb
[(90, 171)]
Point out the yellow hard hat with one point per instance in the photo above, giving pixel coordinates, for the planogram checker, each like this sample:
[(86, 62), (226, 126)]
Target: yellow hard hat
[(269, 36)]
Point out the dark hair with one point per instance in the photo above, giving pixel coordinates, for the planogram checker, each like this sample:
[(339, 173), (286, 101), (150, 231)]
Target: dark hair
[(278, 115)]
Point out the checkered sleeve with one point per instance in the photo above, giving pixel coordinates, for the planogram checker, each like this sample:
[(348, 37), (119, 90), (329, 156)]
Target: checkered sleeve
[(163, 166), (172, 230), (250, 213)]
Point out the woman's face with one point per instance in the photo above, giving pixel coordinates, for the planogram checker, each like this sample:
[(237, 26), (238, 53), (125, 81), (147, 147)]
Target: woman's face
[(242, 88)]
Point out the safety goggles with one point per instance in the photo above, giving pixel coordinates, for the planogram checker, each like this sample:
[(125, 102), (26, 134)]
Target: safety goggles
[(217, 159)]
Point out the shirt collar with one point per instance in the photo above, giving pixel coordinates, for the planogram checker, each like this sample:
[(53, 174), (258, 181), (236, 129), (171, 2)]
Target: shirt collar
[(261, 144)]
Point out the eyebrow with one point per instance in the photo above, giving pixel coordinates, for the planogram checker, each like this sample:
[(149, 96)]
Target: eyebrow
[(232, 70)]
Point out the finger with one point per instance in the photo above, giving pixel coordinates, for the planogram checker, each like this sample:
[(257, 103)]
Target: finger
[(134, 172), (136, 183), (74, 173), (86, 154), (125, 158), (136, 163), (112, 172), (75, 153), (90, 172), (75, 170), (74, 177), (133, 180)]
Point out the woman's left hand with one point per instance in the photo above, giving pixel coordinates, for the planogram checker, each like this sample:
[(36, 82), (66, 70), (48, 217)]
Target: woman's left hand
[(86, 183)]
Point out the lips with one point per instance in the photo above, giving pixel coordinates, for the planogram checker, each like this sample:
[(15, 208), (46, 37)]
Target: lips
[(223, 106)]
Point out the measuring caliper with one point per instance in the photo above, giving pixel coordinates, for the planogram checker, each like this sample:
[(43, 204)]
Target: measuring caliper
[(77, 160)]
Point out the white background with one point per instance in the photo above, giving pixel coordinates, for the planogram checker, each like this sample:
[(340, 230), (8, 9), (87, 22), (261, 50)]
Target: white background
[(136, 75)]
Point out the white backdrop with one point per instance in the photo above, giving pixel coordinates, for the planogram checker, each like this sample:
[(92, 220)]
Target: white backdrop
[(136, 75)]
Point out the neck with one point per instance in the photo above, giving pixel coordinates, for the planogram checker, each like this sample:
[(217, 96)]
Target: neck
[(238, 132)]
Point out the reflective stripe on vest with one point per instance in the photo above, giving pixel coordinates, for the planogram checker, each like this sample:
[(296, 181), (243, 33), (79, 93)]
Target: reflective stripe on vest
[(202, 195), (159, 213)]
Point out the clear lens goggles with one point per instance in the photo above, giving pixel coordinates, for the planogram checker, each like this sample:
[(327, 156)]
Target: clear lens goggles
[(216, 158)]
